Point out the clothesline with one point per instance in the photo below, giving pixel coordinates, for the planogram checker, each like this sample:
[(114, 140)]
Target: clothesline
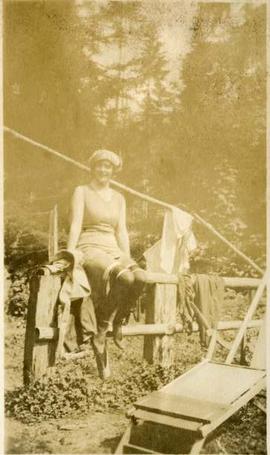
[(143, 196)]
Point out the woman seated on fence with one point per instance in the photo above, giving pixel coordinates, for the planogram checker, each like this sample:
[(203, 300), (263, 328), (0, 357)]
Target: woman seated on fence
[(98, 230)]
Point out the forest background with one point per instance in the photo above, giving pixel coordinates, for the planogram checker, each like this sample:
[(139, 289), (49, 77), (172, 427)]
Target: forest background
[(178, 89)]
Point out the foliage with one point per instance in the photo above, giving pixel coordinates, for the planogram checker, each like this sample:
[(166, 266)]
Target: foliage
[(26, 246), (74, 390), (16, 304), (245, 431), (206, 260)]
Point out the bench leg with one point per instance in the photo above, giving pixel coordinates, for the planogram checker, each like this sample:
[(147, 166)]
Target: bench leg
[(124, 440), (197, 446)]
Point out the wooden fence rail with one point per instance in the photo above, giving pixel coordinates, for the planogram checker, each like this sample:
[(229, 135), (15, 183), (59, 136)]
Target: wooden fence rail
[(51, 333)]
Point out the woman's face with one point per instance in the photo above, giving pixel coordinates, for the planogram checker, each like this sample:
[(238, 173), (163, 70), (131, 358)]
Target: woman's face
[(103, 171)]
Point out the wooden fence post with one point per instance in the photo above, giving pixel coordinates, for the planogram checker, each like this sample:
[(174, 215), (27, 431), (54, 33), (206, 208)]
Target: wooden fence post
[(160, 308), (53, 233), (39, 355)]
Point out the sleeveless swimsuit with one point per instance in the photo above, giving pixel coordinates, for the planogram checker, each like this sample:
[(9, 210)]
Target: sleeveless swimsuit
[(98, 241)]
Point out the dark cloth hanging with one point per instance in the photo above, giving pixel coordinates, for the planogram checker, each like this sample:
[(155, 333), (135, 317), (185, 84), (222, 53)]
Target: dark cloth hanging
[(81, 325), (209, 298), (200, 298)]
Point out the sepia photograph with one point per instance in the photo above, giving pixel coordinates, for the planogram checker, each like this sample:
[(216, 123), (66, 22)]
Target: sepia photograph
[(135, 168)]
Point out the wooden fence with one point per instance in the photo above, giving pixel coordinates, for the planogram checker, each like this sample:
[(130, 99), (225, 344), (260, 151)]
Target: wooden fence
[(160, 325)]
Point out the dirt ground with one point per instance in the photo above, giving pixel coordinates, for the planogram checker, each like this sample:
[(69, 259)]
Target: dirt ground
[(96, 433), (99, 432)]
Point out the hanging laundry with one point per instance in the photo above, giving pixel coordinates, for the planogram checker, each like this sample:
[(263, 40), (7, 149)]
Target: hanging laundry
[(209, 298), (171, 253), (185, 300)]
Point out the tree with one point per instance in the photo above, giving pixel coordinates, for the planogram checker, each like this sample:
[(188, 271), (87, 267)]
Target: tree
[(223, 115)]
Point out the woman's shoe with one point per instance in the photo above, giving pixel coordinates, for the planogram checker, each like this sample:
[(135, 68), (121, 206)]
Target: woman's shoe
[(118, 337), (84, 347)]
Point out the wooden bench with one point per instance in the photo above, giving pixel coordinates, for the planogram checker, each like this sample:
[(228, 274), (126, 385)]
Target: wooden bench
[(179, 417)]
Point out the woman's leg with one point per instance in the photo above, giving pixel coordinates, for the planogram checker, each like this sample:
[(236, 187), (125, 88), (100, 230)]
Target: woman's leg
[(139, 280), (121, 283), (95, 266), (127, 287), (126, 282)]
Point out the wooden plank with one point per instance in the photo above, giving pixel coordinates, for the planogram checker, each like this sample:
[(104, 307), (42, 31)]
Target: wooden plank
[(235, 406), (197, 446), (53, 233), (248, 317), (131, 448), (124, 440), (212, 345), (231, 282), (55, 229), (151, 329), (154, 329), (46, 312), (155, 277), (232, 325), (244, 283), (161, 308), (50, 237), (221, 377), (162, 419), (187, 373), (180, 406), (30, 337), (242, 367), (177, 327), (46, 333), (39, 356), (148, 346)]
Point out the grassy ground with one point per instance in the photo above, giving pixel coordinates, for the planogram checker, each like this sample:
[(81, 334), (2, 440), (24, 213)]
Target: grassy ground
[(97, 427)]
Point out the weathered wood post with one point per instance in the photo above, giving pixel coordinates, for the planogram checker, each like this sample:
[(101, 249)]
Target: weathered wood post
[(243, 344), (160, 308), (39, 355), (53, 233)]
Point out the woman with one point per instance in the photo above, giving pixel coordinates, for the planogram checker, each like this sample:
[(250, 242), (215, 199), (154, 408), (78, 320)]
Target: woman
[(98, 229)]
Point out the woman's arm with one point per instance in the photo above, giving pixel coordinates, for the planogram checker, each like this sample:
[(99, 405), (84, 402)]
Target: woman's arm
[(121, 230), (77, 209)]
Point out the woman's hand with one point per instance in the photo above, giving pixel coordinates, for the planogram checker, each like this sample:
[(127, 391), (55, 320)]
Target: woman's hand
[(77, 210)]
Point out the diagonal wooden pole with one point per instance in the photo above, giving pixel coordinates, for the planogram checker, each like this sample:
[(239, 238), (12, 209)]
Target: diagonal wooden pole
[(248, 317), (143, 196)]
